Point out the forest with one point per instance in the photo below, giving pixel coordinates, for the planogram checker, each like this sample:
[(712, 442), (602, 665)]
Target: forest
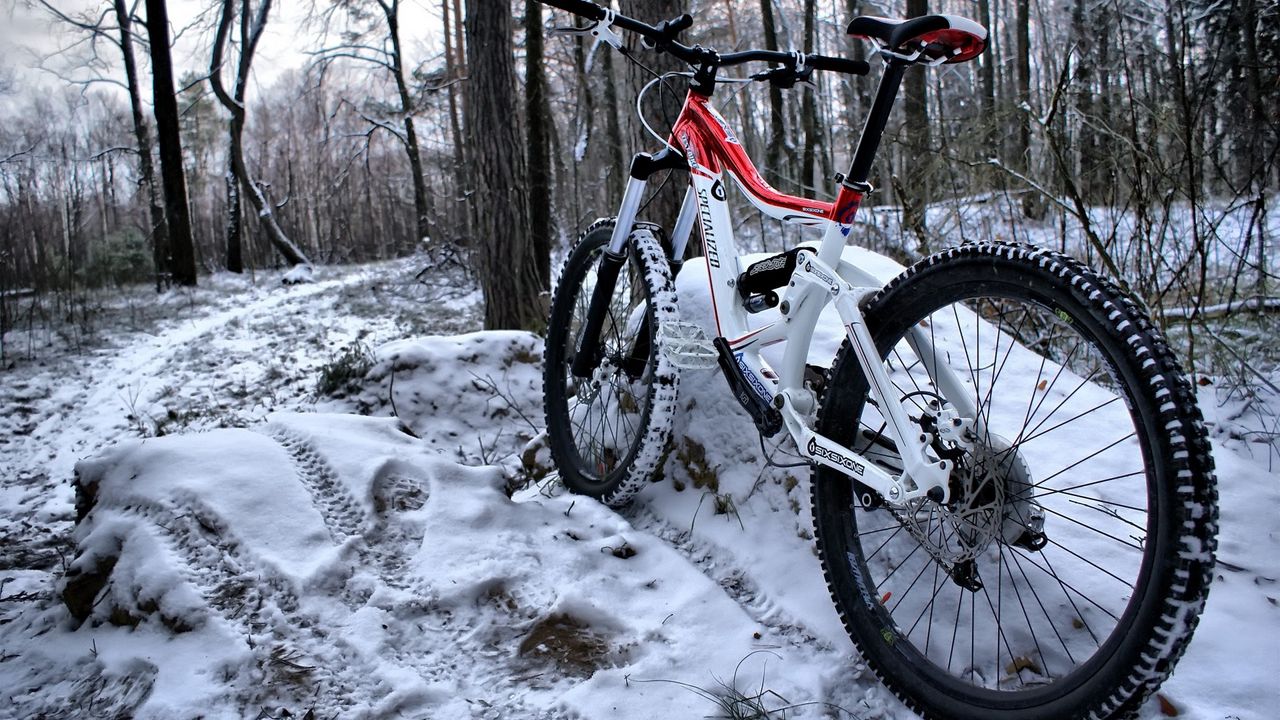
[(1141, 135)]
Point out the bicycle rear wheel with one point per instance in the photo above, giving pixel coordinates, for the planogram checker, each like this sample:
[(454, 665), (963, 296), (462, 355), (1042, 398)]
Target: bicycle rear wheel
[(1067, 570), (608, 433)]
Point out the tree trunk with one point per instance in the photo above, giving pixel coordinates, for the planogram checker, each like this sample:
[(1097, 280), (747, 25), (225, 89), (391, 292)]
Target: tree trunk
[(235, 242), (617, 177), (235, 106), (917, 175), (778, 150), (421, 203), (662, 107), (809, 106), (146, 171), (453, 76), (538, 119), (987, 81), (514, 297), (1031, 206), (181, 246)]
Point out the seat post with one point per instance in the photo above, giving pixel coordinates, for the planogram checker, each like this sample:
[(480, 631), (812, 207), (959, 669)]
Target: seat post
[(886, 93)]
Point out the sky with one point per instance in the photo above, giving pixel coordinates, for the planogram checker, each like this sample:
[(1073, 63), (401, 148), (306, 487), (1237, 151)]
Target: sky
[(30, 38)]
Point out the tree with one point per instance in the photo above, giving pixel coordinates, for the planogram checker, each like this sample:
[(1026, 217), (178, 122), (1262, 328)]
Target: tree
[(509, 275), (538, 121), (809, 107), (146, 171), (665, 205), (182, 248), (251, 29), (779, 148), (915, 192), (96, 28), (358, 43)]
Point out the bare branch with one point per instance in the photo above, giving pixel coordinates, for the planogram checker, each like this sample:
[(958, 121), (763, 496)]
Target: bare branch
[(17, 155), (1255, 304)]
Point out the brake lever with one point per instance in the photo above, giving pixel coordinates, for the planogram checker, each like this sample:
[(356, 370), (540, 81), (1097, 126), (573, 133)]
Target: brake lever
[(601, 30), (786, 78)]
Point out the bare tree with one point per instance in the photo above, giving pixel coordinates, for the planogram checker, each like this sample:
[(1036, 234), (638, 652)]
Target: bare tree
[(146, 172), (182, 248), (915, 192), (360, 43), (97, 29), (251, 26)]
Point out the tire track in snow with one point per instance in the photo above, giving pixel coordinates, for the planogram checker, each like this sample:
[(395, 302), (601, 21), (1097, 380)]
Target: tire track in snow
[(719, 567), (74, 418), (384, 541), (447, 648), (343, 516), (248, 594), (780, 627)]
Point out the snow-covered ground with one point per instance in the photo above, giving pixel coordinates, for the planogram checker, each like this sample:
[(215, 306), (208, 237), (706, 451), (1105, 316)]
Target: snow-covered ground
[(286, 554)]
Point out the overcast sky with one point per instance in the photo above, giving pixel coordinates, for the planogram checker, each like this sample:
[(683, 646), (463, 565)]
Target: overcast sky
[(28, 37)]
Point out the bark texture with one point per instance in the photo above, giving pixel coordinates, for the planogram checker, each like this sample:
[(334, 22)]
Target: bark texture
[(514, 296), (182, 262)]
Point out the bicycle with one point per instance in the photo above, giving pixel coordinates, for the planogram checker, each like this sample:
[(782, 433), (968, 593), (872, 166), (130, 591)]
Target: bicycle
[(1067, 519)]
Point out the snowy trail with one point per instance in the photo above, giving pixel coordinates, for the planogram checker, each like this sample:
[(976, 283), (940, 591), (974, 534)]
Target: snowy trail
[(100, 399), (329, 561)]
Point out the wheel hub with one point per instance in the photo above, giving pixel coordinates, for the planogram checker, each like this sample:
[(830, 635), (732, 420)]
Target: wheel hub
[(992, 499)]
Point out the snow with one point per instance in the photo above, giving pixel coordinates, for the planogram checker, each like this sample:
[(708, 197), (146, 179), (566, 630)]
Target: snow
[(284, 552), (300, 273)]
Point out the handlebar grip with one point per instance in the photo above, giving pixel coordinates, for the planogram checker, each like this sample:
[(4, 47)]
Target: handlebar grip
[(584, 8), (667, 31), (680, 24), (837, 64)]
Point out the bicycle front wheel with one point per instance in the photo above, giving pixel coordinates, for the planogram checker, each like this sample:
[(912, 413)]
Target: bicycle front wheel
[(1066, 571), (608, 433)]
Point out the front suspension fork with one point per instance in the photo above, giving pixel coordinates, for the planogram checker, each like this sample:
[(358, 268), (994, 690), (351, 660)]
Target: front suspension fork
[(588, 355)]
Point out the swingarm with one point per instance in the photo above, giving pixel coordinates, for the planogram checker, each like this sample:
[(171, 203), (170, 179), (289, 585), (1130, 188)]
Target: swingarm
[(920, 476)]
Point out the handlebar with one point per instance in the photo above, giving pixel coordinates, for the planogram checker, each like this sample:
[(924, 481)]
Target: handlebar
[(588, 10), (663, 39)]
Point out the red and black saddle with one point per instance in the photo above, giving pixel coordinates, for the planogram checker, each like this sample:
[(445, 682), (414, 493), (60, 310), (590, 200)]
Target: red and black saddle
[(938, 38)]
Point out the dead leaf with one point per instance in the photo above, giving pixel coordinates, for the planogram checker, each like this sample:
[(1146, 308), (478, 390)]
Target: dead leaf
[(1167, 708), (1022, 663)]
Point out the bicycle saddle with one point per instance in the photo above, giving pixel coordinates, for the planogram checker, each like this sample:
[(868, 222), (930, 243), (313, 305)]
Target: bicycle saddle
[(935, 36)]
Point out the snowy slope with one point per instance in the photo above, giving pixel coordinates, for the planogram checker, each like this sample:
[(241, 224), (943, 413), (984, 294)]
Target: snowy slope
[(376, 567)]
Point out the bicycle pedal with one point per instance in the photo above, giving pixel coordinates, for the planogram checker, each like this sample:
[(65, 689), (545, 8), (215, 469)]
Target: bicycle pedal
[(687, 346)]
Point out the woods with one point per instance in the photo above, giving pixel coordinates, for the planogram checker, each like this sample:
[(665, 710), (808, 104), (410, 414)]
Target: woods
[(1142, 135)]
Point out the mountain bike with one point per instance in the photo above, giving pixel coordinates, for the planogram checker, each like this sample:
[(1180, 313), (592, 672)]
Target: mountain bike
[(1012, 491)]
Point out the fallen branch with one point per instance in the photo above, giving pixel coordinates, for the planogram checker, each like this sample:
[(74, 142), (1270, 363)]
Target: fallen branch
[(1256, 304)]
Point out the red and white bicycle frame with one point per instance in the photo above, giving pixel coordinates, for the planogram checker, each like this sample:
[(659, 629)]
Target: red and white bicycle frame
[(714, 155)]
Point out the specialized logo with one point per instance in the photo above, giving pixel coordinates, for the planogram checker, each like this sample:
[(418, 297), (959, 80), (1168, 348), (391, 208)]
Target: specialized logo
[(822, 453), (752, 379), (708, 233), (717, 191)]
